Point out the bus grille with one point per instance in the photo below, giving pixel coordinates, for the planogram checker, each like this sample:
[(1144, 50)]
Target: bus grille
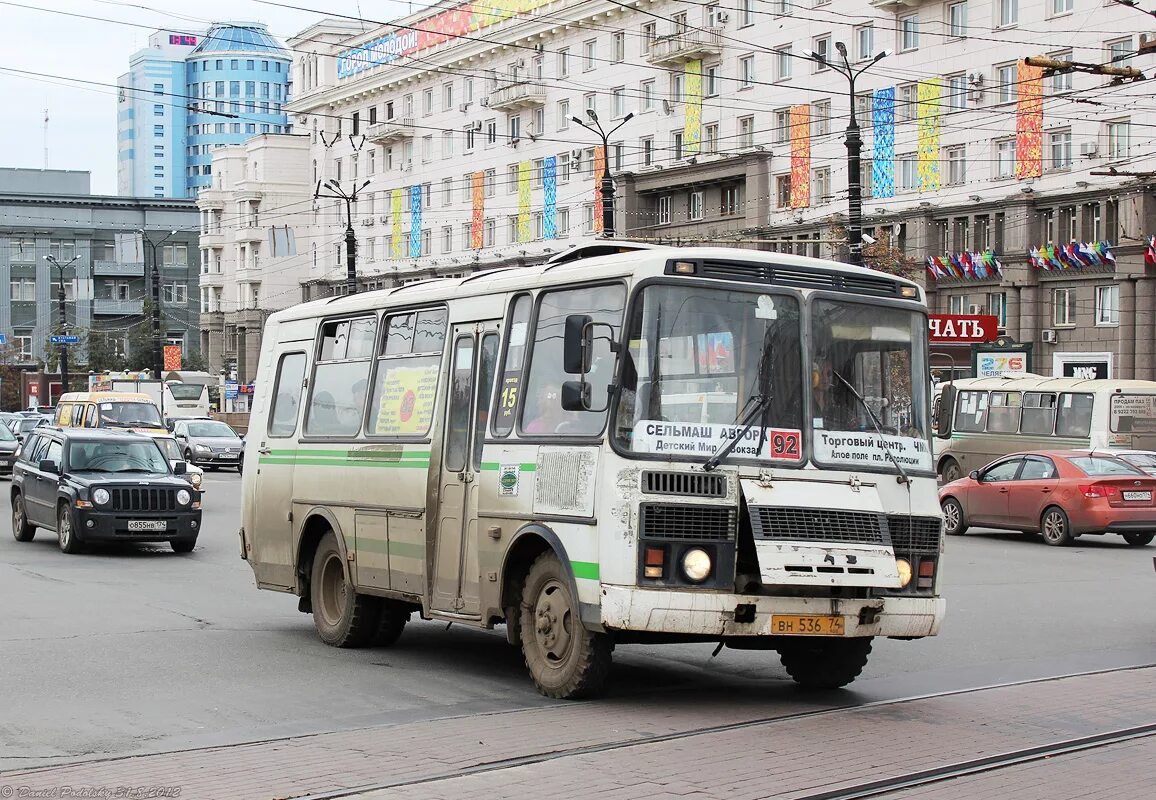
[(684, 483), (818, 524), (800, 277), (698, 523), (915, 534), (143, 499)]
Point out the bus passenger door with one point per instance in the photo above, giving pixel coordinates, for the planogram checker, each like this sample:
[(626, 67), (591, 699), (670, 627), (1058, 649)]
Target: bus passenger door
[(472, 366)]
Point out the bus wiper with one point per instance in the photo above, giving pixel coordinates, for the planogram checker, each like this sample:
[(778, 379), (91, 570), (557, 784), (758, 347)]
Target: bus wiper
[(760, 402), (878, 429)]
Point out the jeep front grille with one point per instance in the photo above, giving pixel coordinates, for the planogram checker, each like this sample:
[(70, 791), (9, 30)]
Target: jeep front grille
[(143, 499)]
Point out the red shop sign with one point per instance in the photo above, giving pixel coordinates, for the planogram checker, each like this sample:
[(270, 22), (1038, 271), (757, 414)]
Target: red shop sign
[(962, 328)]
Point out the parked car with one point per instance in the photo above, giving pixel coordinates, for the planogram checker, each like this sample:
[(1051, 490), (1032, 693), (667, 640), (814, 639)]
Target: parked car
[(91, 485), (9, 444), (209, 442), (1143, 460), (1060, 494), (193, 474)]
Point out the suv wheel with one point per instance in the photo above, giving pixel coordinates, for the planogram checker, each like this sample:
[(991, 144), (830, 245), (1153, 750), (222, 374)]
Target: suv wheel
[(69, 543)]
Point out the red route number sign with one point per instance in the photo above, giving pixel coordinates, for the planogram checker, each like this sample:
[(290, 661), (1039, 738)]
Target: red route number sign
[(962, 328), (784, 443)]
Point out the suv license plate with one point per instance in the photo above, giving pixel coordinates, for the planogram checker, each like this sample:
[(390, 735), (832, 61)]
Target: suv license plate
[(147, 525), (807, 624), (1137, 495)]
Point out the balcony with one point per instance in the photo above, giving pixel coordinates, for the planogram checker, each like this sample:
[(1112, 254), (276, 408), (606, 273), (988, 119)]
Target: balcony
[(896, 6), (685, 46), (250, 233), (109, 306), (514, 96), (393, 130), (117, 269)]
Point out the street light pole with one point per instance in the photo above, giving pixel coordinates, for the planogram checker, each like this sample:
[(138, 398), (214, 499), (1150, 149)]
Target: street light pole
[(350, 237), (607, 190), (63, 317), (854, 143), (158, 352)]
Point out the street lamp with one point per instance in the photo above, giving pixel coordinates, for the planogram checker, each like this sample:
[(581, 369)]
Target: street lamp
[(158, 352), (63, 317), (854, 147), (350, 237), (607, 182)]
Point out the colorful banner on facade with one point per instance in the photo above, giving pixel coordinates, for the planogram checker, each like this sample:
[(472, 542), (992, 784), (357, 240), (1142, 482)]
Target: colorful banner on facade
[(1029, 121), (172, 357), (692, 101), (524, 199), (800, 125), (927, 164), (599, 170), (883, 156), (550, 197), (478, 218), (415, 221), (397, 246)]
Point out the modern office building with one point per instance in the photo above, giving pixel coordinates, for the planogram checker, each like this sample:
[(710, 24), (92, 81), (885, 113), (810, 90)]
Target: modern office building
[(53, 213), (190, 92)]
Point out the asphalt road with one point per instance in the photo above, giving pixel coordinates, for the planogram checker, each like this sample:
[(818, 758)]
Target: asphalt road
[(137, 649)]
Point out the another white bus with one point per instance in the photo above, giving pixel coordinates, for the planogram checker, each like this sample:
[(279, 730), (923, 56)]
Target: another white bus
[(981, 419), (515, 447)]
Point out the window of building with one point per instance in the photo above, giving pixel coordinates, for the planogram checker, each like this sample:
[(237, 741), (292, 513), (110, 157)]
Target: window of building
[(663, 206), (618, 46), (1107, 305), (908, 172), (1060, 149), (957, 304), (746, 132), (618, 102), (489, 181), (997, 307), (909, 33), (731, 204), (1061, 7), (821, 118), (1063, 307), (957, 20), (746, 13), (956, 90), (158, 88), (564, 62), (1062, 81), (677, 87), (23, 289), (710, 137), (676, 143), (158, 130), (175, 255), (956, 165), (22, 345), (695, 205), (1007, 12), (175, 293), (1119, 139), (589, 54), (1005, 164), (782, 191), (1006, 80), (781, 130), (906, 102), (864, 42), (710, 80), (821, 185), (784, 64), (648, 33), (821, 47), (647, 93)]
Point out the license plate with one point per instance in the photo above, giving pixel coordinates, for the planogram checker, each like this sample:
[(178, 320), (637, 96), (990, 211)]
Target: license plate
[(1137, 495), (147, 525), (807, 624)]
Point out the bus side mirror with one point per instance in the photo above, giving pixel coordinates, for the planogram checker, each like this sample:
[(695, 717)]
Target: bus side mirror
[(575, 396), (577, 344), (946, 411)]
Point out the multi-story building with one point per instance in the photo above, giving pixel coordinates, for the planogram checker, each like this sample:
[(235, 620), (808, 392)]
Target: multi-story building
[(52, 213), (188, 93), (464, 121)]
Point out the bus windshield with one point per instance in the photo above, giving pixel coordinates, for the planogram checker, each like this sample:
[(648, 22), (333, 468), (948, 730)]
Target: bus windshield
[(699, 361), (130, 414), (877, 353), (186, 391)]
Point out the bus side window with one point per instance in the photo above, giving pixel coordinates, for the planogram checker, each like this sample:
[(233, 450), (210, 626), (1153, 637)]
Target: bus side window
[(406, 382), (971, 412), (341, 378), (90, 416), (486, 368), (1003, 415), (78, 415), (1074, 417), (287, 395), (64, 413), (515, 357), (1039, 413)]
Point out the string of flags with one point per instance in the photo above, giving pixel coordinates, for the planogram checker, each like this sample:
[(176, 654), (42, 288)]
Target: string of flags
[(1150, 252), (1074, 255), (968, 265)]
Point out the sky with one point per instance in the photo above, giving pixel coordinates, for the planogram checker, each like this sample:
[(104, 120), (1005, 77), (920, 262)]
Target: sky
[(38, 36)]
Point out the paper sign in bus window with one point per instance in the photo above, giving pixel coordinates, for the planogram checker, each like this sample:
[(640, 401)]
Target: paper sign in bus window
[(408, 394)]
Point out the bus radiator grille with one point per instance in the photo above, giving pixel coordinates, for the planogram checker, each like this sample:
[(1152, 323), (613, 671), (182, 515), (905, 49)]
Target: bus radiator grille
[(915, 534), (818, 524), (684, 483), (687, 523)]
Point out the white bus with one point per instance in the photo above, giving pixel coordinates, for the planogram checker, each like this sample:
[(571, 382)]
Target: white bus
[(981, 419), (498, 449)]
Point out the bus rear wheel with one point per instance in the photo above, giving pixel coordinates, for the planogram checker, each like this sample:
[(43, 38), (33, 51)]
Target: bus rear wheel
[(950, 471), (566, 661), (343, 617), (824, 663)]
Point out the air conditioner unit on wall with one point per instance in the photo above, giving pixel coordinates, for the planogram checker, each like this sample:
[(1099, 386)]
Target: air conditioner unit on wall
[(1048, 336), (974, 309), (721, 17), (1088, 149)]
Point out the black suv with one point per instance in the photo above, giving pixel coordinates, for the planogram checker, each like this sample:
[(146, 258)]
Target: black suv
[(91, 485)]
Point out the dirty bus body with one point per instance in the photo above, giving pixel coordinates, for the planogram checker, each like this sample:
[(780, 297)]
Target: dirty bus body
[(496, 450)]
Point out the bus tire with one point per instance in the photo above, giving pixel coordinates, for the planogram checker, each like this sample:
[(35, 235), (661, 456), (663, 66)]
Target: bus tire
[(343, 617), (1139, 539), (824, 663), (950, 471), (954, 520), (391, 622), (1055, 527), (566, 661)]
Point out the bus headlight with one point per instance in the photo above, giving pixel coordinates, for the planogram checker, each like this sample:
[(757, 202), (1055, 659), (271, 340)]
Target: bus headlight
[(100, 496), (904, 568), (183, 497), (696, 565)]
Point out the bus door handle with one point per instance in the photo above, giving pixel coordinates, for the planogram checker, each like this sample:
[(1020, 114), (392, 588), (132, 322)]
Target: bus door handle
[(264, 451), (466, 476)]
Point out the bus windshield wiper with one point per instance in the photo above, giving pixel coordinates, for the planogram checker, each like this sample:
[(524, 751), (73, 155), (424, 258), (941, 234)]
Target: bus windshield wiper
[(761, 400), (878, 429)]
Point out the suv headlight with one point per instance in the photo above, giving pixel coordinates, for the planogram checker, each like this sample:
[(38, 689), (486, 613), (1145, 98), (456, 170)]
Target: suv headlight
[(100, 496), (183, 497), (195, 479)]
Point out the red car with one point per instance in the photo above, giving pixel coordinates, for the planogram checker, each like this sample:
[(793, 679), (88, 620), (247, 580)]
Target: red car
[(1060, 494)]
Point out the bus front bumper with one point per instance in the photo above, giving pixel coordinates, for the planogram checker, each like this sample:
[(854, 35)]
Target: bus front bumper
[(704, 613)]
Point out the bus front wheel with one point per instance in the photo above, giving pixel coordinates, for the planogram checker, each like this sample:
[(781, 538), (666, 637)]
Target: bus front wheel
[(950, 471), (566, 661), (824, 663), (343, 617)]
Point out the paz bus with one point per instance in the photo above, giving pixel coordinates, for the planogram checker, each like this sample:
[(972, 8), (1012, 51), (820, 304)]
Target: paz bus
[(516, 448)]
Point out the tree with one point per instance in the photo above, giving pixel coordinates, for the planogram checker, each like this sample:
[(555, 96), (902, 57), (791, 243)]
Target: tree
[(885, 256), (194, 361), (10, 378), (140, 340), (103, 353)]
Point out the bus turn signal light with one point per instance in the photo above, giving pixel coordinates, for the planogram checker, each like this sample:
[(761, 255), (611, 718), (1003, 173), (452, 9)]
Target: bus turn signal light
[(926, 573), (654, 561)]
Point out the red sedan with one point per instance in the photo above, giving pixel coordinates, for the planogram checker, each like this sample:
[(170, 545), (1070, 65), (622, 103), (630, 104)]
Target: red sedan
[(1060, 494)]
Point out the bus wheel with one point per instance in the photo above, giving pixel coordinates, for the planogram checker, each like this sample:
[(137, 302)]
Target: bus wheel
[(343, 617), (394, 615), (824, 663), (565, 660), (1139, 539), (950, 471)]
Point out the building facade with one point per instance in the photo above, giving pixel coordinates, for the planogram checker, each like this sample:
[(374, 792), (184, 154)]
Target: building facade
[(52, 213)]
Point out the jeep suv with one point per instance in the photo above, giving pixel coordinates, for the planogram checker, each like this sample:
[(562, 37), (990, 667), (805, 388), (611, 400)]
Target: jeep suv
[(91, 485)]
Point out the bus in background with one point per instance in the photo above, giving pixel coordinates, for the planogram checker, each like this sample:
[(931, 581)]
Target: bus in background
[(133, 411), (183, 394), (981, 419), (669, 445), (186, 399)]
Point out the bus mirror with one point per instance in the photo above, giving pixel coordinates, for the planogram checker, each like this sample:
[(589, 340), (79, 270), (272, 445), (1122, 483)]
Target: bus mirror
[(575, 396), (946, 411), (577, 344)]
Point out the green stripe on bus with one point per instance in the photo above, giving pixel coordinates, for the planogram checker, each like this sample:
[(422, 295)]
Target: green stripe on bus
[(379, 454), (585, 569), (346, 462), (494, 466)]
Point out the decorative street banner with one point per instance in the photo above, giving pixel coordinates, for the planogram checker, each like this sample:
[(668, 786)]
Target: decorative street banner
[(524, 199), (550, 197), (1029, 121), (1074, 255), (928, 93), (883, 158), (415, 220), (599, 169), (172, 357), (976, 266), (692, 96), (397, 247), (478, 219), (800, 125)]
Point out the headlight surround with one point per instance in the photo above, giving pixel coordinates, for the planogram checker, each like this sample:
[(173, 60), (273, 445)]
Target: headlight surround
[(101, 496), (184, 497), (195, 479), (904, 568), (201, 448), (696, 565)]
